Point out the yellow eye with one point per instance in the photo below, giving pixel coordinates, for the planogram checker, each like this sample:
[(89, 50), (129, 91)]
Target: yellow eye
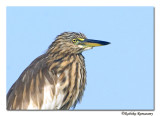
[(74, 40)]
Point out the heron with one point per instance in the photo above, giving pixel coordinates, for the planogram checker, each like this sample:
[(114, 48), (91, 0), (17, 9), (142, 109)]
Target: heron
[(55, 80)]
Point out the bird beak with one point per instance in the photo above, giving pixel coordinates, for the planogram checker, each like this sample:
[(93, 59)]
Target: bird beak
[(94, 43)]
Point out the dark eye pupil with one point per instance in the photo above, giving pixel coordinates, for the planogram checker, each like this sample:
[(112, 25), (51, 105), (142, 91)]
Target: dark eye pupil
[(74, 40)]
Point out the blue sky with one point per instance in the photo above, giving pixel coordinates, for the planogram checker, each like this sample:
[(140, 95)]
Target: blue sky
[(119, 76)]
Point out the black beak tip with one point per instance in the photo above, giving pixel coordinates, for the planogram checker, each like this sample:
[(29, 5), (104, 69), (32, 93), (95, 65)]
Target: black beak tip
[(106, 43), (109, 43)]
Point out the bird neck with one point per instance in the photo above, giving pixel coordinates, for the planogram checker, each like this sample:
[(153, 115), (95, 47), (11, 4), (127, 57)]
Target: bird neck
[(59, 54)]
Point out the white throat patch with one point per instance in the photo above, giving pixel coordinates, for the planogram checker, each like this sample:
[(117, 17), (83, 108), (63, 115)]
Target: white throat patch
[(87, 48)]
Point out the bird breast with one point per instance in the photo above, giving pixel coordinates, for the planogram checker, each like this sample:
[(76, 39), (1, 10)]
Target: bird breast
[(69, 85)]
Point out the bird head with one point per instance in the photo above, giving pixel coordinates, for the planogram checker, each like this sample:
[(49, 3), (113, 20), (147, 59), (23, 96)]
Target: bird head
[(73, 42)]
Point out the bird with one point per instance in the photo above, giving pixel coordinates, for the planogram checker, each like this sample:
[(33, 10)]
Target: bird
[(55, 80)]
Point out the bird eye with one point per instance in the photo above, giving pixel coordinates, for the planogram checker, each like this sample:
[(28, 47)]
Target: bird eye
[(74, 40)]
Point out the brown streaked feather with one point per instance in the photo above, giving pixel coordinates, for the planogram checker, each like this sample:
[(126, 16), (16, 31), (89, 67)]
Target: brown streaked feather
[(30, 85), (25, 102)]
